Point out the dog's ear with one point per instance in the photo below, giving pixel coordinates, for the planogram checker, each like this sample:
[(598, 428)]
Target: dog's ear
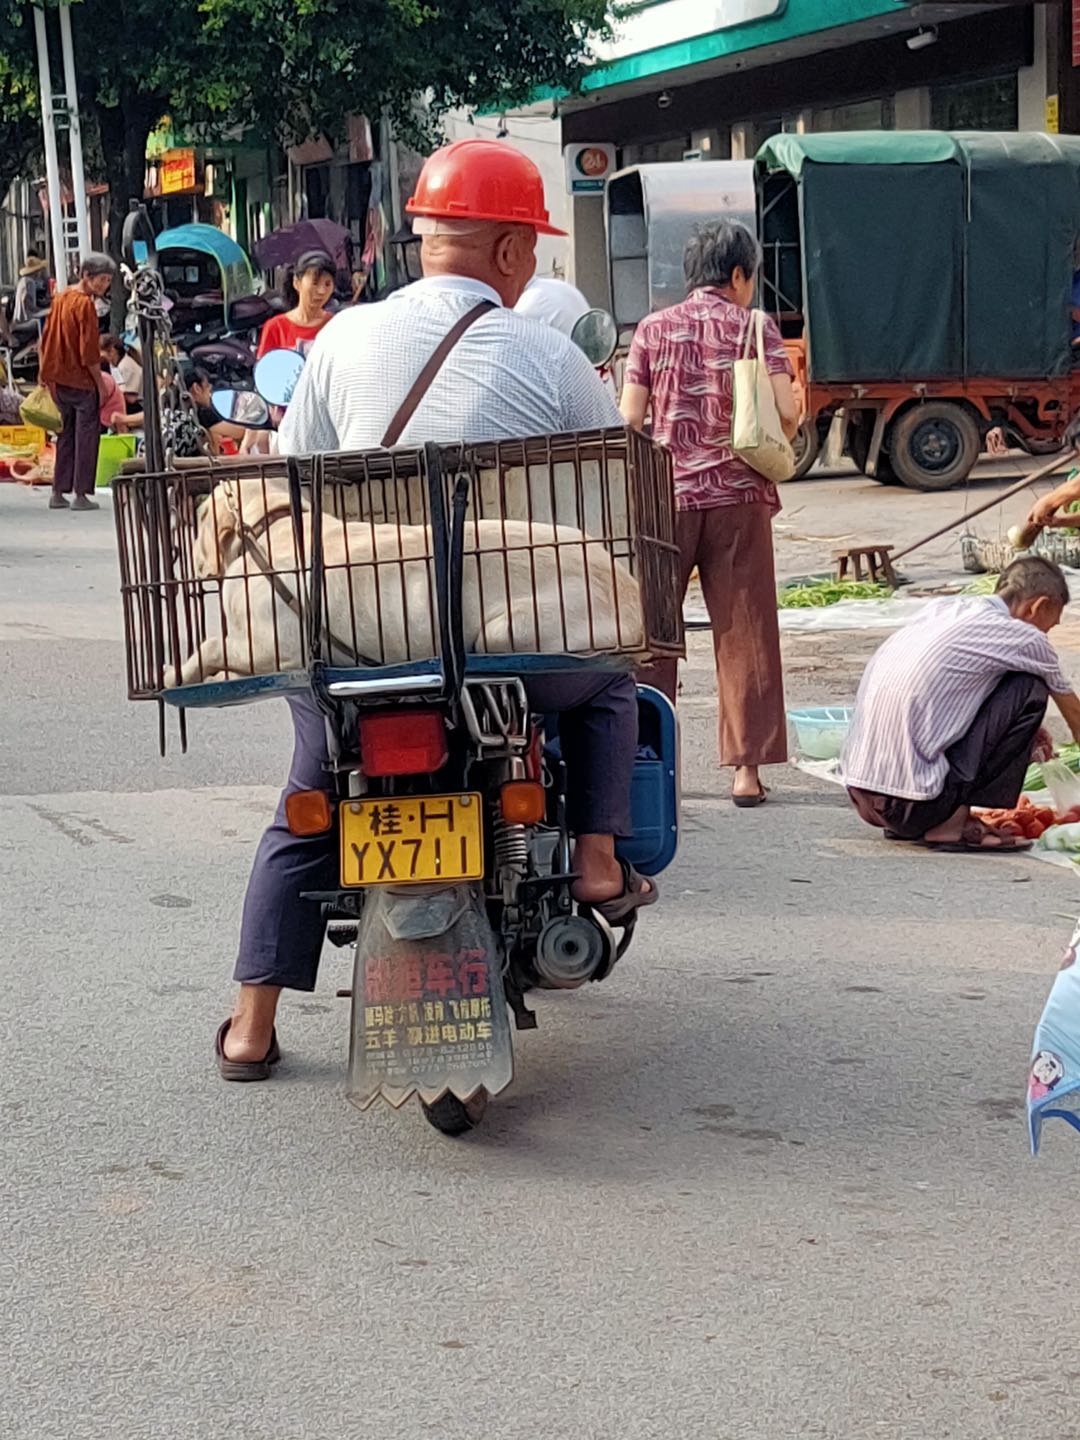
[(217, 531)]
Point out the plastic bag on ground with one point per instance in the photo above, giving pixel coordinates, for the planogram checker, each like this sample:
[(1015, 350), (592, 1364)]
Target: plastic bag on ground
[(1054, 1077), (1062, 784)]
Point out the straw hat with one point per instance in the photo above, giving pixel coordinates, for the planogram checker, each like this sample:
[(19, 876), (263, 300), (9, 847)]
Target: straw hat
[(34, 265)]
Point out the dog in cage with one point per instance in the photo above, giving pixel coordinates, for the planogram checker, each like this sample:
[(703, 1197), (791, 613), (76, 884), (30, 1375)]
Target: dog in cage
[(528, 587)]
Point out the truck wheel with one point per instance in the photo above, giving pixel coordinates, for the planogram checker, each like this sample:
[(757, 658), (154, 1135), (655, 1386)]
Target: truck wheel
[(934, 446), (807, 446)]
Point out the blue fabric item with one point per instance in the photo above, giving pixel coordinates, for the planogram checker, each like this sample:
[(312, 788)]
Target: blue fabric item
[(1054, 1079), (207, 239)]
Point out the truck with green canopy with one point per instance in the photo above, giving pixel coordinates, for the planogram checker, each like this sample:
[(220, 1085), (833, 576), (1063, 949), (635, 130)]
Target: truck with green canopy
[(924, 284)]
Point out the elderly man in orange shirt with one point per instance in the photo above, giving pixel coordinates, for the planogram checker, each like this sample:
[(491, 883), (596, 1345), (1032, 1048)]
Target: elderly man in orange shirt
[(71, 368)]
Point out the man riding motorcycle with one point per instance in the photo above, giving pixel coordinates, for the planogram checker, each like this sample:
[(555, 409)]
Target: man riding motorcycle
[(479, 206)]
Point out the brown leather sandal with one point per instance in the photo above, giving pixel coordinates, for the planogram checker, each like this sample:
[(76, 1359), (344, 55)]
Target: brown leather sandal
[(244, 1069)]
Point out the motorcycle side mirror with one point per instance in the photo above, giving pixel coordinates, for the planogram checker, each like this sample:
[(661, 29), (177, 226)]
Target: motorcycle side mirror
[(242, 407), (597, 336), (276, 374)]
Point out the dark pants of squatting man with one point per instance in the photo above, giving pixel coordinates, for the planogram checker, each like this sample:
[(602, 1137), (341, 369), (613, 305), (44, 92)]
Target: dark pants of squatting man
[(986, 766), (281, 935)]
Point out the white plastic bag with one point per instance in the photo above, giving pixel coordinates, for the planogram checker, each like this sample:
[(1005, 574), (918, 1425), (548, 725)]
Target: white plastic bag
[(756, 433), (1062, 784)]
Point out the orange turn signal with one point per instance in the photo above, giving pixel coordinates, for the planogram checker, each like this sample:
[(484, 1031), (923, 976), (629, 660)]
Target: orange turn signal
[(308, 812), (522, 802)]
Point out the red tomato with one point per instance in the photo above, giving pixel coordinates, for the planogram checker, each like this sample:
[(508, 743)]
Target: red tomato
[(1011, 827), (1046, 815)]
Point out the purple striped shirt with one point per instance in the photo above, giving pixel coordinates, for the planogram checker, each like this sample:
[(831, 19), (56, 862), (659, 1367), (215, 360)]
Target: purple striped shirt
[(923, 688)]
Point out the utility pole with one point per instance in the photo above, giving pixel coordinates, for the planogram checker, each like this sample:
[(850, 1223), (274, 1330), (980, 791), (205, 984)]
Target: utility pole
[(60, 111), (71, 96), (52, 164)]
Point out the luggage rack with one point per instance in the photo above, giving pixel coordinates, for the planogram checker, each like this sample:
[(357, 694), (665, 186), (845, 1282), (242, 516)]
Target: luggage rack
[(418, 564)]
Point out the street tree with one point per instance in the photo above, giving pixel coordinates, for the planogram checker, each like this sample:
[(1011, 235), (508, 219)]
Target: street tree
[(20, 118), (288, 69)]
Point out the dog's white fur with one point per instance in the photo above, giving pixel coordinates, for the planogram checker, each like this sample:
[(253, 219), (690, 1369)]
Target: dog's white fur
[(563, 595)]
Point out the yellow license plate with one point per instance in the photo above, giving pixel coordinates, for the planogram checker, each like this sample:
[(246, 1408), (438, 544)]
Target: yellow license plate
[(412, 839)]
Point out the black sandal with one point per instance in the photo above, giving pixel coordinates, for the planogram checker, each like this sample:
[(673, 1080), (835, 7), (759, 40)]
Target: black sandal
[(244, 1069), (621, 908), (750, 802)]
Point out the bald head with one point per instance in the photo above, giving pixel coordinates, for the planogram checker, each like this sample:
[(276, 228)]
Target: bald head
[(502, 256)]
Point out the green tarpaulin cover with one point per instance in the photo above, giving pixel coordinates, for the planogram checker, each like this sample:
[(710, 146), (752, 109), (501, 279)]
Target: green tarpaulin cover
[(927, 254)]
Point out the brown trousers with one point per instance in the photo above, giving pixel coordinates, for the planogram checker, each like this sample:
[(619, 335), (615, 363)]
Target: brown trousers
[(732, 547)]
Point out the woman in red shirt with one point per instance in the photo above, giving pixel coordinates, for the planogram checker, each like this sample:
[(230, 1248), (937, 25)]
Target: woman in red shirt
[(310, 285)]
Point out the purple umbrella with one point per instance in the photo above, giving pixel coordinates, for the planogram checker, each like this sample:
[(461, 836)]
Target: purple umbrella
[(285, 246)]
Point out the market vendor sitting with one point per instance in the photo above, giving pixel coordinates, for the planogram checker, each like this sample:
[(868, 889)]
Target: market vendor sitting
[(950, 710)]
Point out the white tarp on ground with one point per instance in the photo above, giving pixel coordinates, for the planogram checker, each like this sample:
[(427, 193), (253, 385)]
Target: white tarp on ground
[(845, 615)]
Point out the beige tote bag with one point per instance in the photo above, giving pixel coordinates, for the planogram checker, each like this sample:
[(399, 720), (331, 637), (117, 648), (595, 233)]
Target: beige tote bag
[(756, 434)]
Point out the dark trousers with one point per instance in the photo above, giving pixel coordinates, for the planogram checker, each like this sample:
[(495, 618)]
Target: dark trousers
[(732, 547), (281, 935), (986, 766), (77, 443)]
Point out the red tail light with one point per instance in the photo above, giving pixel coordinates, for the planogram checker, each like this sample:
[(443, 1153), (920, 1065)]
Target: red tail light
[(402, 742)]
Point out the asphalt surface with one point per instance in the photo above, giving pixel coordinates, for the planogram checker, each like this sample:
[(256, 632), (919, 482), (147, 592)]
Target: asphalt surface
[(770, 1180)]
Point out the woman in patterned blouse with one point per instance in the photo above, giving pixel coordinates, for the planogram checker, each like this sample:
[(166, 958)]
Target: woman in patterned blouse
[(680, 369)]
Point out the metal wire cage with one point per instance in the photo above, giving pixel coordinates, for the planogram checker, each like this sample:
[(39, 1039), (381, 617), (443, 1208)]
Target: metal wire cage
[(556, 549)]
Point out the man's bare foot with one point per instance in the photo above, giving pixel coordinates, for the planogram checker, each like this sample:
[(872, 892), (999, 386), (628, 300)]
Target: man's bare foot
[(600, 876), (251, 1031), (950, 830)]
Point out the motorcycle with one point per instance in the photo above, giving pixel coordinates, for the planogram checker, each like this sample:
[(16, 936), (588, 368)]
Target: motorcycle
[(448, 794), (456, 878)]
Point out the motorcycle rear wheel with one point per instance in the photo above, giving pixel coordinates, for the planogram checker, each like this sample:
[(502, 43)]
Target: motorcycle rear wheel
[(454, 1117)]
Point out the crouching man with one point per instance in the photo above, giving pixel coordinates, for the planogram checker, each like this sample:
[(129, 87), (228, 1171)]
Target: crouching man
[(950, 711)]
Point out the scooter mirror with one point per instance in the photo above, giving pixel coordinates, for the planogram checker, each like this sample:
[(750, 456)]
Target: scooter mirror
[(276, 374), (242, 407), (597, 335)]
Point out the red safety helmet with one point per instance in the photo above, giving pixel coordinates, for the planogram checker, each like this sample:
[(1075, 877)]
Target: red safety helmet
[(482, 180)]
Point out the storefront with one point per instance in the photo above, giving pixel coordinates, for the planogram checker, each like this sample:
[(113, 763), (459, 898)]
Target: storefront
[(692, 81)]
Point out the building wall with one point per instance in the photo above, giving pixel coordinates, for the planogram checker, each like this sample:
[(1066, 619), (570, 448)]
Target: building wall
[(536, 134), (990, 70)]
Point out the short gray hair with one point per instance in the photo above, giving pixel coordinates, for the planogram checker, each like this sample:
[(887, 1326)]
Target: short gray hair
[(95, 263), (715, 250), (1030, 577)]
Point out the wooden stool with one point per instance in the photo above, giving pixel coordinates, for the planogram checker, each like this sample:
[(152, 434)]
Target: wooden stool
[(876, 559)]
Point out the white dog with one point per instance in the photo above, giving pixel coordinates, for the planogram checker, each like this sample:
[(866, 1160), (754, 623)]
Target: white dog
[(527, 587)]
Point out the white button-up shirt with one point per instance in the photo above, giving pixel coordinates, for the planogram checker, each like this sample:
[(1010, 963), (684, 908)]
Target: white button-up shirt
[(508, 377), (922, 690)]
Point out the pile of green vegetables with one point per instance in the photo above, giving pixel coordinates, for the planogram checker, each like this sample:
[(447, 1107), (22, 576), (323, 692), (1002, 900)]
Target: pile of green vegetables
[(1068, 755), (1072, 509), (819, 593), (984, 585)]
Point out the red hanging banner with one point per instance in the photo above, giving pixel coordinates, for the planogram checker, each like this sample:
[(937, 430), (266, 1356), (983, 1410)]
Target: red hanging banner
[(1076, 32)]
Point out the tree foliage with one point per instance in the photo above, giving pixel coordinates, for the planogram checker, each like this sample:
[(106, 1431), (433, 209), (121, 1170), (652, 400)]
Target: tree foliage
[(20, 119), (320, 60), (291, 69)]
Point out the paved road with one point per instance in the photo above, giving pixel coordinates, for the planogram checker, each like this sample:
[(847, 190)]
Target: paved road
[(769, 1181)]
